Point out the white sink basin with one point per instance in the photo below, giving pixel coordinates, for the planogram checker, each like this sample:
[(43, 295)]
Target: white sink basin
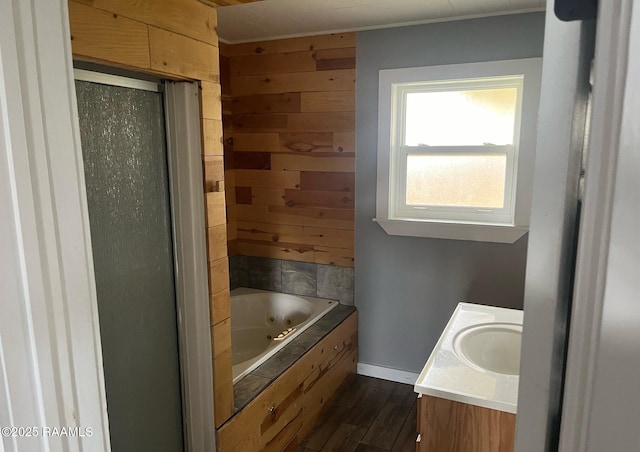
[(494, 347), (476, 359)]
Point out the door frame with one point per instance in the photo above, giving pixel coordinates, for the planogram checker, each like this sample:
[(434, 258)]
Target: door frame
[(601, 400), (182, 117), (51, 371)]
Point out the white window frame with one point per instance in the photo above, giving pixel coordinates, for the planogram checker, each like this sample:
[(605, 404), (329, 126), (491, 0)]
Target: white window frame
[(493, 225)]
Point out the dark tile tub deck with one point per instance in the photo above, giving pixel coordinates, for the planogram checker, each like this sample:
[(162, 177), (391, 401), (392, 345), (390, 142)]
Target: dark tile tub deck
[(247, 388)]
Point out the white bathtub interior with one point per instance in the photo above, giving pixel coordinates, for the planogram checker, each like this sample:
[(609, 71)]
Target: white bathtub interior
[(259, 316)]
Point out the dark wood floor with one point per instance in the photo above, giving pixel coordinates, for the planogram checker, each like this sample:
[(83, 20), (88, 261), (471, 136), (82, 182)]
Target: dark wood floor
[(368, 415)]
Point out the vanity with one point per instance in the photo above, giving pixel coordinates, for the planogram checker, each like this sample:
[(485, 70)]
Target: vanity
[(468, 389)]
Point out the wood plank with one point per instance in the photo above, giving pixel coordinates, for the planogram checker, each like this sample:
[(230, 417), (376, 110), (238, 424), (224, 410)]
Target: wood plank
[(303, 142), (334, 256), (185, 17), (267, 197), (300, 216), (313, 198), (344, 142), (297, 142), (342, 334), (338, 63), (387, 426), (219, 290), (287, 251), (232, 247), (315, 162), (102, 36), (327, 181), (324, 218), (333, 54), (176, 54), (210, 99), (359, 403), (222, 377), (251, 213), (320, 397), (229, 178), (321, 42), (256, 142), (260, 123), (217, 240), (284, 436), (252, 160), (272, 63), (268, 179), (243, 195), (230, 198), (260, 421), (341, 121), (332, 59), (406, 439), (216, 213), (213, 172), (458, 427), (336, 238), (326, 239), (337, 80), (270, 232), (219, 275), (295, 122), (225, 71), (220, 306), (267, 103), (327, 101), (232, 234), (212, 136)]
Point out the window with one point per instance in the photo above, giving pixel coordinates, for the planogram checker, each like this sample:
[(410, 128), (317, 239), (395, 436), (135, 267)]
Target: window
[(455, 150)]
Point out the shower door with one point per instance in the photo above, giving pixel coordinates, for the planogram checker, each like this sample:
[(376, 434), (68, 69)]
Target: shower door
[(125, 161)]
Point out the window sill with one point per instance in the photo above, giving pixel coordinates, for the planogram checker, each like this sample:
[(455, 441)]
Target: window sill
[(477, 232)]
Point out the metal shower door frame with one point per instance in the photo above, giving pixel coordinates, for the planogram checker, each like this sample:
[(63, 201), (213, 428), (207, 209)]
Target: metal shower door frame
[(186, 198)]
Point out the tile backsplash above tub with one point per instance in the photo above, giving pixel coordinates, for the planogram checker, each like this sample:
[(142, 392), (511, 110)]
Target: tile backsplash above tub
[(299, 278)]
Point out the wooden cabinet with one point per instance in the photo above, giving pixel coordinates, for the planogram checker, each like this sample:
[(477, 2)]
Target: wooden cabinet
[(280, 417), (459, 427)]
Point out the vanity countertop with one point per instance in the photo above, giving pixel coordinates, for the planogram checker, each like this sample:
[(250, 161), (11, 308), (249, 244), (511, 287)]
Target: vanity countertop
[(448, 375)]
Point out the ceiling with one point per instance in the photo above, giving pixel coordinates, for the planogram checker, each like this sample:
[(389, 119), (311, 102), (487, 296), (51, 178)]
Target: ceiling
[(272, 19)]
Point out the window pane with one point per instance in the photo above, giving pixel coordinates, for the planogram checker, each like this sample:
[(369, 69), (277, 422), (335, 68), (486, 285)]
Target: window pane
[(461, 118), (456, 180)]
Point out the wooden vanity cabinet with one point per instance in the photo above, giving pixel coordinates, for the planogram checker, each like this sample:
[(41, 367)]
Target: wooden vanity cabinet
[(280, 417), (446, 425)]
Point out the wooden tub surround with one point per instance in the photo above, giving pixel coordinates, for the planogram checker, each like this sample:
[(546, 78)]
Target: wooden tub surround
[(280, 402)]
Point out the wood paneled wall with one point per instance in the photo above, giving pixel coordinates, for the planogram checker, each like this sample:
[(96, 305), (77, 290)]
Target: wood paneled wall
[(289, 116), (175, 39)]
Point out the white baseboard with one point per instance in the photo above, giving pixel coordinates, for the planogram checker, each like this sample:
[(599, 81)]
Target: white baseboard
[(387, 373)]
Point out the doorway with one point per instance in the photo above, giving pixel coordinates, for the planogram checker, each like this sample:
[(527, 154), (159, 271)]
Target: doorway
[(123, 137)]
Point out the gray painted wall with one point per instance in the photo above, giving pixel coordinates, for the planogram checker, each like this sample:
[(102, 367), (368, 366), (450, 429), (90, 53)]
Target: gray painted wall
[(407, 288)]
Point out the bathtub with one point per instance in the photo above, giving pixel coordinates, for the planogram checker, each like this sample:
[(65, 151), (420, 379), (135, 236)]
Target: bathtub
[(263, 322)]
